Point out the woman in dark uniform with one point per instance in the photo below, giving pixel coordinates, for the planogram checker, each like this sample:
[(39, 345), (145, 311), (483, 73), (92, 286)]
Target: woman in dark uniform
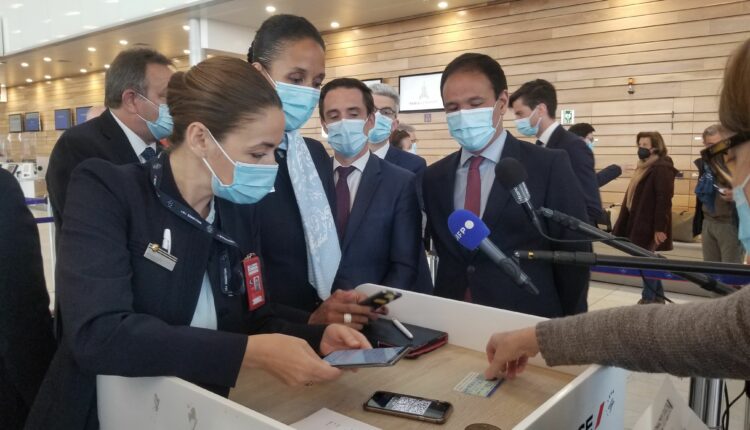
[(150, 270)]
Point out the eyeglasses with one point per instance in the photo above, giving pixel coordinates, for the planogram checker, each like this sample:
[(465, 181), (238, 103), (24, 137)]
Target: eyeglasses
[(386, 111), (720, 159)]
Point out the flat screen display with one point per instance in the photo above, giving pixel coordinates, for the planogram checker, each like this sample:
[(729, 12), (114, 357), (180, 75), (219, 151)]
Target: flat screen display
[(81, 114), (15, 123), (62, 119), (32, 122)]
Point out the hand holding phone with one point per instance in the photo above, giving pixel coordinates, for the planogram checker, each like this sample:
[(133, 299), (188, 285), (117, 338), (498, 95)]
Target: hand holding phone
[(380, 299), (416, 408)]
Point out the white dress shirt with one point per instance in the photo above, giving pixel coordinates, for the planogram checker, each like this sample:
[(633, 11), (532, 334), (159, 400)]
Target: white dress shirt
[(135, 141), (354, 177), (491, 156), (544, 138), (382, 151), (205, 310)]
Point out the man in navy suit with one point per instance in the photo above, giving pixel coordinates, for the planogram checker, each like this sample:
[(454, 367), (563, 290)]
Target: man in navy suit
[(135, 85), (534, 105), (376, 208), (475, 97)]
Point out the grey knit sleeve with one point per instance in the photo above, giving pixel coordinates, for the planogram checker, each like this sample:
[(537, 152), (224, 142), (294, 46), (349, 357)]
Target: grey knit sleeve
[(710, 339)]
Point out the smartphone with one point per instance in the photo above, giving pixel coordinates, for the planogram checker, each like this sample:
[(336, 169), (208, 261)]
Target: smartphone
[(376, 357), (380, 299), (721, 191), (401, 405)]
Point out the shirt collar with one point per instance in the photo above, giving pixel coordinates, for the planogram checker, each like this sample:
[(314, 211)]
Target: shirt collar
[(359, 164), (135, 141), (544, 138), (492, 152), (382, 151)]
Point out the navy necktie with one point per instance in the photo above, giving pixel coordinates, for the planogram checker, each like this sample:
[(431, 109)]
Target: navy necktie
[(343, 200), (148, 154)]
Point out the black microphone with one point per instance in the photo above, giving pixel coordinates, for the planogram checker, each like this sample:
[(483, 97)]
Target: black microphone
[(471, 232), (512, 176)]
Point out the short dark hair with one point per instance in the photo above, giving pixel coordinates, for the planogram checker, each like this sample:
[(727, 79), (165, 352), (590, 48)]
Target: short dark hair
[(275, 32), (222, 93), (535, 92), (582, 129), (128, 71), (397, 136), (473, 62), (348, 83)]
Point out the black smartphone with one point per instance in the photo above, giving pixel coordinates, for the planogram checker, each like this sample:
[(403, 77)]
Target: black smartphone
[(376, 357), (380, 299), (402, 405)]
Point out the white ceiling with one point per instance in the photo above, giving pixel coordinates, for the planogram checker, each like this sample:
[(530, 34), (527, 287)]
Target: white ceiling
[(165, 32)]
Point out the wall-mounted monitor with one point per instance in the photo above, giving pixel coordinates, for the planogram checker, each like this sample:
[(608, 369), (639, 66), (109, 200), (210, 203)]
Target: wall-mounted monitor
[(81, 114), (62, 119), (420, 93), (369, 82), (32, 122), (15, 123)]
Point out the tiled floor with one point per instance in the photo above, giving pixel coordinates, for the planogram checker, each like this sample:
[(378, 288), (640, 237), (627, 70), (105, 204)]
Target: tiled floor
[(641, 386)]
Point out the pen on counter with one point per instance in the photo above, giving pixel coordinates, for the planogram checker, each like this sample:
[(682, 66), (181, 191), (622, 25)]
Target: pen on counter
[(166, 243), (402, 329)]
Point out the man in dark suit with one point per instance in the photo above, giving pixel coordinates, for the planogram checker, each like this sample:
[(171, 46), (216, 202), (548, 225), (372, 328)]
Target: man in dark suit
[(534, 105), (26, 341), (127, 132), (376, 209), (475, 97)]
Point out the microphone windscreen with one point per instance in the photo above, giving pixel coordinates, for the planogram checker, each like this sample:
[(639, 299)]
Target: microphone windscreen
[(510, 172), (468, 229)]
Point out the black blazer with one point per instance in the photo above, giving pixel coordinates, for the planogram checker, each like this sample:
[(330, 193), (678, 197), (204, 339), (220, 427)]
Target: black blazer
[(552, 184), (100, 137), (411, 162), (26, 341), (125, 315), (582, 160), (283, 243), (382, 242)]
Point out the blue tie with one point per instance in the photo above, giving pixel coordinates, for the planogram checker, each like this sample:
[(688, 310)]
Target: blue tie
[(148, 154)]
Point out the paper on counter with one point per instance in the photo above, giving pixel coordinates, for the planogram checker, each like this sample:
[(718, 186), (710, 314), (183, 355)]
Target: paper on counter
[(326, 419)]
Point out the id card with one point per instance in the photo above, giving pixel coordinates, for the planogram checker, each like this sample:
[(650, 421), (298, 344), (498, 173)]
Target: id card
[(475, 385), (256, 296)]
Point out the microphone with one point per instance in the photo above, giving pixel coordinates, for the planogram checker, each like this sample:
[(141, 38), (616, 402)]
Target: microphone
[(472, 233), (512, 176)]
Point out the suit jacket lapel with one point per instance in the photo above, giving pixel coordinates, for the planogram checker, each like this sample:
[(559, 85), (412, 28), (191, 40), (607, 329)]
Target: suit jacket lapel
[(368, 184), (499, 197), (117, 142), (555, 137), (446, 186)]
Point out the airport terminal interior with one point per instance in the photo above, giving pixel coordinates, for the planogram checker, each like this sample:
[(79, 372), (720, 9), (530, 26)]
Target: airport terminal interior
[(620, 67)]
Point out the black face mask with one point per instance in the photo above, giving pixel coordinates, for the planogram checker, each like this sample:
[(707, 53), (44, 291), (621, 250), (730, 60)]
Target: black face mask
[(644, 153)]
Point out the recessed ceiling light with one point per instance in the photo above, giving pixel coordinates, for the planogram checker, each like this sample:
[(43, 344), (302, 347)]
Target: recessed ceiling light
[(123, 42), (29, 80), (24, 64), (443, 4), (186, 27), (72, 13), (84, 70), (47, 77), (16, 31), (175, 60), (186, 51), (270, 9), (16, 5), (47, 59), (334, 24), (106, 66), (91, 49)]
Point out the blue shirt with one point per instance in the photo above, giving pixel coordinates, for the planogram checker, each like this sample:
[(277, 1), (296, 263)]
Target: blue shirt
[(491, 155)]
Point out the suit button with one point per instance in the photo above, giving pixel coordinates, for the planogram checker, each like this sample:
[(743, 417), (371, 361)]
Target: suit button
[(471, 269)]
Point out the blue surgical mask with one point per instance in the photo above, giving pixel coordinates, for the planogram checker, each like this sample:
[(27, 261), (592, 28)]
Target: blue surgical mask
[(590, 143), (163, 125), (298, 103), (743, 212), (250, 182), (382, 129), (347, 137), (523, 125), (473, 128)]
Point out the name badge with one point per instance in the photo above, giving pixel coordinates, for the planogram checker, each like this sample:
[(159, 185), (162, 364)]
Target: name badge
[(256, 296), (159, 256)]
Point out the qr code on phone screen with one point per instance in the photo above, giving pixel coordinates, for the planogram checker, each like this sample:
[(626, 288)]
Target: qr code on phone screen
[(409, 405)]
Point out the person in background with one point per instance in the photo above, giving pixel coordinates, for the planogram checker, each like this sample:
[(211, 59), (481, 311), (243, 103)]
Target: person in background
[(26, 340), (130, 313), (646, 214), (677, 335), (715, 215), (377, 211), (412, 137), (299, 242), (586, 132), (535, 107), (135, 91), (94, 112), (475, 98), (400, 139)]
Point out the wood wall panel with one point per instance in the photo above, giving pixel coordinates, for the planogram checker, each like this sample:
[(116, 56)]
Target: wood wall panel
[(674, 49)]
